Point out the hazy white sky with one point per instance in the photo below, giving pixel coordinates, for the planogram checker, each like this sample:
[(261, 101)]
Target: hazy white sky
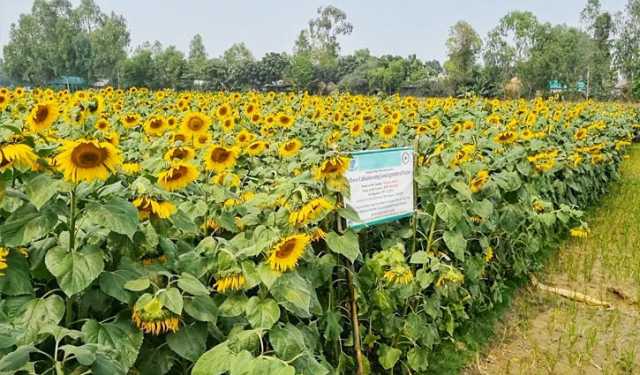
[(384, 26)]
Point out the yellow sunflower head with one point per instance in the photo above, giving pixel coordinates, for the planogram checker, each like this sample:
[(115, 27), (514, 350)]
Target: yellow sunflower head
[(219, 158), (42, 116), (178, 176), (290, 148), (333, 167), (388, 131), (155, 125), (285, 255), (130, 120), (87, 160), (195, 123)]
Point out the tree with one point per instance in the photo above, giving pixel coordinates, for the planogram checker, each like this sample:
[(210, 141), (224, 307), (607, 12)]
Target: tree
[(508, 48), (56, 39), (138, 70), (463, 46), (627, 44), (600, 26), (170, 68), (197, 63), (324, 30)]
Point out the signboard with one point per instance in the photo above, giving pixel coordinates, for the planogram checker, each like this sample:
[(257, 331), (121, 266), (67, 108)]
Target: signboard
[(581, 86), (381, 184)]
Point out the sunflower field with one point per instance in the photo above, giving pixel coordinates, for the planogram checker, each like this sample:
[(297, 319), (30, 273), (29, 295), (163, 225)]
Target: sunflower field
[(189, 232)]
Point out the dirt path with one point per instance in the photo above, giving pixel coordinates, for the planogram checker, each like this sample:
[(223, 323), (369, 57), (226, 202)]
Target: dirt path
[(548, 334)]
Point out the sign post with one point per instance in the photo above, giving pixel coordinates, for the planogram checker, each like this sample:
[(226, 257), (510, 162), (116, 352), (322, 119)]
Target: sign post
[(381, 183), (381, 190)]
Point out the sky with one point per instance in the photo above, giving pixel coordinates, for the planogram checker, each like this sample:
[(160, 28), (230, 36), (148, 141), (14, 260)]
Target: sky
[(399, 27)]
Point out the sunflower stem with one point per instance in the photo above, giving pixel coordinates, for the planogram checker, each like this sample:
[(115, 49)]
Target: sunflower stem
[(72, 220)]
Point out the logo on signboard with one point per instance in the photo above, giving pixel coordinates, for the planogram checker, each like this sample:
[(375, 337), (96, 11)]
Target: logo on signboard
[(353, 165), (406, 158)]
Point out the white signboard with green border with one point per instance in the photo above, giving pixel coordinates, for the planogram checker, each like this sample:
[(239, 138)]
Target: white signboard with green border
[(381, 184)]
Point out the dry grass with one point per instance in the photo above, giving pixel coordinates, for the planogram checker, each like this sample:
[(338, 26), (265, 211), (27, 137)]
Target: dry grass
[(547, 334)]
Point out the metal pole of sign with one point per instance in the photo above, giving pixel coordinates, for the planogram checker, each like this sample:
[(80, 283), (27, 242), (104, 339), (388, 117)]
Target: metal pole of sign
[(415, 197), (355, 322)]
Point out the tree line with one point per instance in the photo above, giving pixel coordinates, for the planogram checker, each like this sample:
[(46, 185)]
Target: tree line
[(520, 56)]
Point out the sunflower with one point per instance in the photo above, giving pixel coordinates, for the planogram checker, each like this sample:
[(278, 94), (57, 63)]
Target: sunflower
[(312, 211), (581, 134), (244, 137), (579, 232), (3, 259), (130, 120), (195, 123), (102, 124), (19, 155), (399, 275), (284, 120), (223, 111), (290, 148), (387, 131), (42, 116), (4, 101), (202, 140), (284, 256), (356, 128), (155, 125), (256, 148), (87, 160), (317, 234), (210, 225), (153, 318), (219, 158), (178, 176), (148, 206), (131, 168), (228, 124), (234, 281), (505, 137), (333, 168), (478, 182), (180, 153), (226, 179)]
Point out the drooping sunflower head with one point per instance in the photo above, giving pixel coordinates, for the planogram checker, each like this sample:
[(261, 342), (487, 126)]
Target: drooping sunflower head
[(195, 123), (17, 155), (152, 317), (178, 176), (284, 256), (87, 160), (478, 182), (290, 148), (399, 275), (42, 116), (219, 158), (256, 148), (180, 153), (230, 282), (150, 207), (311, 212), (333, 167)]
